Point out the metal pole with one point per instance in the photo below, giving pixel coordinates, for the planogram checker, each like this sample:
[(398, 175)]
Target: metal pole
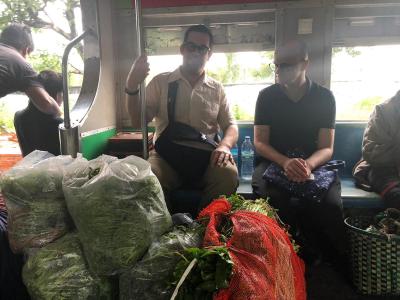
[(69, 135), (71, 44), (142, 93)]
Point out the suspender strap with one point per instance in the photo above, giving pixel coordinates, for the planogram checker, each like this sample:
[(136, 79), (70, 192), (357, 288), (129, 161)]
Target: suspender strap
[(172, 92)]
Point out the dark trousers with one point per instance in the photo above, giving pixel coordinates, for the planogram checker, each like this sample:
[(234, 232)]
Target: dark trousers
[(11, 285), (386, 180), (321, 224)]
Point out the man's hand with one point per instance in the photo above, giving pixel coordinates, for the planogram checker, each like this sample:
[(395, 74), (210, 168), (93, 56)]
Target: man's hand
[(139, 71), (222, 156), (297, 169)]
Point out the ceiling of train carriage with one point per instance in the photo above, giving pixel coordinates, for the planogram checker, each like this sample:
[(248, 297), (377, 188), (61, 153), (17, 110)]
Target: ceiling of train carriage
[(175, 3)]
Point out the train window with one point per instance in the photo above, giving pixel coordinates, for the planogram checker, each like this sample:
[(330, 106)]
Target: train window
[(242, 81), (363, 77)]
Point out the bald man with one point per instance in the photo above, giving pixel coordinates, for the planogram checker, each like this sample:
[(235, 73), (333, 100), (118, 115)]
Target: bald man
[(296, 114)]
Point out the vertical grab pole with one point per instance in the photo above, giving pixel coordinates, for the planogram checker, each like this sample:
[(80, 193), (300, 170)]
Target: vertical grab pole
[(68, 133), (142, 93)]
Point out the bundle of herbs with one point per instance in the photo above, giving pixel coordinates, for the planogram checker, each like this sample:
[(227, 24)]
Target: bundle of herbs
[(118, 208), (37, 212), (201, 273), (260, 206), (59, 271), (150, 278)]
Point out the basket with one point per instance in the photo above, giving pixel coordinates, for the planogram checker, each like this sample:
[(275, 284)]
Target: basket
[(375, 259)]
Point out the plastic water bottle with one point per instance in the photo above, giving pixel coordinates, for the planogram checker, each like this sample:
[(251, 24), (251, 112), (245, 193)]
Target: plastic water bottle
[(235, 154), (247, 159)]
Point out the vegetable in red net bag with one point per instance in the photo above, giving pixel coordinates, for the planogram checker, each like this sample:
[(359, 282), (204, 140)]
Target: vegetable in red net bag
[(265, 263)]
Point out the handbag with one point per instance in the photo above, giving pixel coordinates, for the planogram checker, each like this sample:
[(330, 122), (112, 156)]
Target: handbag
[(315, 189), (186, 150)]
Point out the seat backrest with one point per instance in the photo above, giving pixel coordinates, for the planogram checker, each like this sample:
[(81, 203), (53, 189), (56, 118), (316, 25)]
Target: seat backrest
[(348, 143)]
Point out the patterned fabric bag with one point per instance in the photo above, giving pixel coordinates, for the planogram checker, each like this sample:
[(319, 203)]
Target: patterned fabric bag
[(314, 189)]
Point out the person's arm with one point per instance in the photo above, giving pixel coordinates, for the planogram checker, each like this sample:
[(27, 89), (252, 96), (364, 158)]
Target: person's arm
[(326, 132), (324, 151), (380, 148), (222, 154), (294, 168), (43, 101), (138, 73)]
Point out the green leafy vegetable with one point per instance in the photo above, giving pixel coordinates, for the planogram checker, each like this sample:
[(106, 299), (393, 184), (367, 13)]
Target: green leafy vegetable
[(212, 272), (58, 271), (37, 212), (118, 208), (148, 279)]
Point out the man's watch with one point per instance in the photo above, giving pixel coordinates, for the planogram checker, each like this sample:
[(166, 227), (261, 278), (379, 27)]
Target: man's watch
[(131, 93)]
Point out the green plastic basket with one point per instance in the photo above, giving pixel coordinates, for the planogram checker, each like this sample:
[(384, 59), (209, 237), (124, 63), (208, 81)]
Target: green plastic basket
[(374, 258)]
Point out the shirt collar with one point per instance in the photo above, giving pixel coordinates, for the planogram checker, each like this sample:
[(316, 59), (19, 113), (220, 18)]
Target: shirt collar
[(177, 75)]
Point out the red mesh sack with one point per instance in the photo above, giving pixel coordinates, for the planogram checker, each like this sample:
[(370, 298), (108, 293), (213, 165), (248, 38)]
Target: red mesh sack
[(265, 264)]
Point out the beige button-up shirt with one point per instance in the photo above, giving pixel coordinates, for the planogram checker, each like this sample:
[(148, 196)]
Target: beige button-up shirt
[(204, 107)]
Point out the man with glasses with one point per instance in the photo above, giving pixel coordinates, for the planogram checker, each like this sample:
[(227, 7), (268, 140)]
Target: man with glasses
[(16, 74), (200, 103), (296, 115)]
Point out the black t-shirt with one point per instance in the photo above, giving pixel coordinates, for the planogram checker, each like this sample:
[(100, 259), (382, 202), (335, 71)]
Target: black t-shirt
[(15, 72), (295, 125), (37, 130)]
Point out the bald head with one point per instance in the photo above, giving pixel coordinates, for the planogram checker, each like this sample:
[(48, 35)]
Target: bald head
[(291, 52)]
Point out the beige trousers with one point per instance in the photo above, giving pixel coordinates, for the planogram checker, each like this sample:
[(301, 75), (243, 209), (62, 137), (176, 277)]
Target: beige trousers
[(216, 181)]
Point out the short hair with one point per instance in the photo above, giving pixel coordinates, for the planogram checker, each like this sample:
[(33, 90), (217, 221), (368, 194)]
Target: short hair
[(18, 36), (199, 28), (302, 48), (51, 81), (296, 47)]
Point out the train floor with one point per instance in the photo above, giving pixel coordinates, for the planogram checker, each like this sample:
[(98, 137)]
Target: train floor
[(324, 282)]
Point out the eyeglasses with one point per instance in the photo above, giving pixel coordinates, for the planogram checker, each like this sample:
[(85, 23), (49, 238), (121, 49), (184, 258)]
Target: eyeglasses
[(192, 47), (282, 66)]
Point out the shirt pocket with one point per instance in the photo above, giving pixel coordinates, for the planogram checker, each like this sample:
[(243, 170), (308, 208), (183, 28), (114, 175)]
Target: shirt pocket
[(207, 107)]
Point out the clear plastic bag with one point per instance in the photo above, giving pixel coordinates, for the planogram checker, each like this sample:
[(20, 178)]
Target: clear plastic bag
[(118, 208), (148, 279), (37, 212), (59, 271)]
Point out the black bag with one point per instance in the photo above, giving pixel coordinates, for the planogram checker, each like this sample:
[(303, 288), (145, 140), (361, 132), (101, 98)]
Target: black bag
[(186, 149)]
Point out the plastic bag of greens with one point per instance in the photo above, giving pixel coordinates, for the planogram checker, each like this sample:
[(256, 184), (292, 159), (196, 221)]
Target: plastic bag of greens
[(149, 278), (118, 208), (59, 271), (37, 212)]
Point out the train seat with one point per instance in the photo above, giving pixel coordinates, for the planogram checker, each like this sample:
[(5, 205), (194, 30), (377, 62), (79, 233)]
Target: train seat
[(348, 139)]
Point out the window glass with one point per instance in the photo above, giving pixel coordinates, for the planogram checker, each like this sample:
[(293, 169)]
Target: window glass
[(363, 77), (243, 75)]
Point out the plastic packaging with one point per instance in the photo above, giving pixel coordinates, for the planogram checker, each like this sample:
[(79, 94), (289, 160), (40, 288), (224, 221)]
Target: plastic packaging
[(58, 271), (118, 208), (37, 212), (247, 157), (149, 278), (235, 154)]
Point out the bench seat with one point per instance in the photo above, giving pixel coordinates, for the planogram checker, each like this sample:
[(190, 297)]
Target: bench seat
[(354, 197)]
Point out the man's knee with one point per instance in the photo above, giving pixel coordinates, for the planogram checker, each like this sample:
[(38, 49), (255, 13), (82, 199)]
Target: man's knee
[(168, 178), (224, 177)]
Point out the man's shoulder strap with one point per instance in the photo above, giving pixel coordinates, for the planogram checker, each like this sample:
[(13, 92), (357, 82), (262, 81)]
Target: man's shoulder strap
[(172, 92)]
